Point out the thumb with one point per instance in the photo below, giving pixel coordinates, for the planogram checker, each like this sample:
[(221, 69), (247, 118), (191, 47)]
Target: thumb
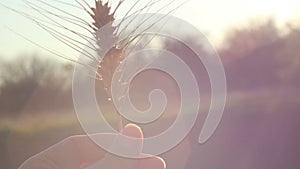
[(128, 143)]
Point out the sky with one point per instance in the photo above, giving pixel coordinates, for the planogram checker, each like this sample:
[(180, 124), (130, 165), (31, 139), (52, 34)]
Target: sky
[(214, 18)]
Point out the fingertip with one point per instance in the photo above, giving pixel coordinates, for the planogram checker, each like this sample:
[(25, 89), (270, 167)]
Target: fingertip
[(152, 162), (132, 130), (162, 162)]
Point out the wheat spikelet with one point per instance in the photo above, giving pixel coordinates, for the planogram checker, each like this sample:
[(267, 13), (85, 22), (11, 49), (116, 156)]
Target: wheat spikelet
[(102, 16)]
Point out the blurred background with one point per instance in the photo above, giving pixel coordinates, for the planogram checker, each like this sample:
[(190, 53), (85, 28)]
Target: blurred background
[(259, 44)]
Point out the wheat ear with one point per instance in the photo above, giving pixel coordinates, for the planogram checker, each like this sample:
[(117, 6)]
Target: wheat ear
[(102, 16)]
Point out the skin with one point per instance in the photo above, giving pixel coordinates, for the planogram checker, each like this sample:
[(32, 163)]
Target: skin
[(78, 152)]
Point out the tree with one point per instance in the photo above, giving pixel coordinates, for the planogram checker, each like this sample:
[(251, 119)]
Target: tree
[(19, 78), (242, 41)]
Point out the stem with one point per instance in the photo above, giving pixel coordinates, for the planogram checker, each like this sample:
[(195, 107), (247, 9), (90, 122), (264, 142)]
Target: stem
[(120, 122)]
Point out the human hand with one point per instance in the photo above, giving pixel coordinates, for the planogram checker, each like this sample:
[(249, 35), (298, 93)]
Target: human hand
[(78, 152)]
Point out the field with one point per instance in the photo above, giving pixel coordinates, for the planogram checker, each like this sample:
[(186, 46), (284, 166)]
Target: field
[(257, 129)]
